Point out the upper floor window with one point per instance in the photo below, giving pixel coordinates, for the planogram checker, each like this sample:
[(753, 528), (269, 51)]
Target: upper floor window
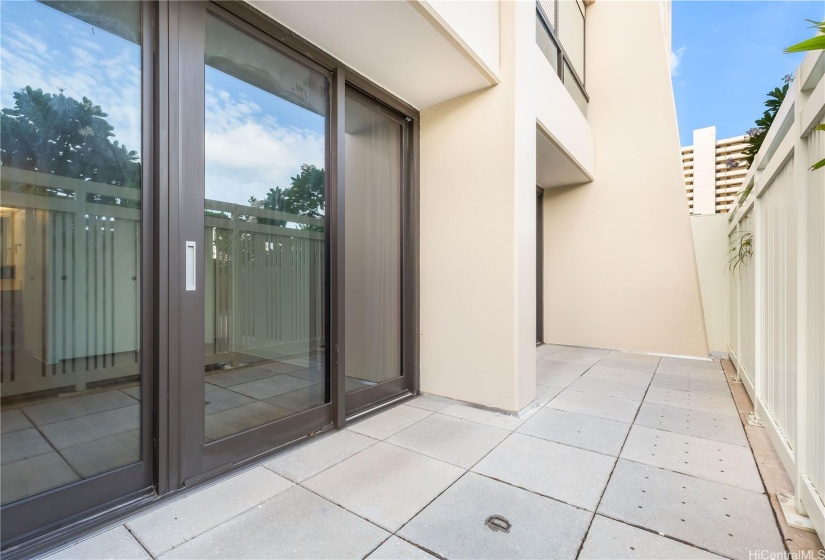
[(560, 35)]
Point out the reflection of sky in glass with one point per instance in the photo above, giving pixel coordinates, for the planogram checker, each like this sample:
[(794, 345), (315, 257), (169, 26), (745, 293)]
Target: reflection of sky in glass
[(255, 141), (49, 50)]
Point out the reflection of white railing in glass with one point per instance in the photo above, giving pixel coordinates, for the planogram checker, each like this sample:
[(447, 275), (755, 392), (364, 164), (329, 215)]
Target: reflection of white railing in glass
[(76, 287), (264, 283)]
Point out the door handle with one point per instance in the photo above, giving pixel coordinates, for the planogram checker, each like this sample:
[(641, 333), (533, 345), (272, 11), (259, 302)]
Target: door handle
[(191, 263)]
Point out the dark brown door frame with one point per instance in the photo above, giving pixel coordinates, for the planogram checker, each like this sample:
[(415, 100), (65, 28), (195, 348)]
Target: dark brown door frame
[(186, 178), (165, 314), (335, 240), (539, 265), (362, 400)]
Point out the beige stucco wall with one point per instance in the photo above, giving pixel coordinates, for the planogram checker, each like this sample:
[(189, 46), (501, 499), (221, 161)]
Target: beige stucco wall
[(423, 52), (620, 270), (710, 234), (477, 233), (474, 23)]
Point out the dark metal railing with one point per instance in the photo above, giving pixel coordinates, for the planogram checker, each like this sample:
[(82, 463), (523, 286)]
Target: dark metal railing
[(558, 57)]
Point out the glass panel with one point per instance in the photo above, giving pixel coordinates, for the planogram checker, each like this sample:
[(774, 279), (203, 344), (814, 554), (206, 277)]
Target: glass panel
[(549, 8), (546, 44), (264, 237), (571, 33), (372, 227), (573, 88), (70, 232)]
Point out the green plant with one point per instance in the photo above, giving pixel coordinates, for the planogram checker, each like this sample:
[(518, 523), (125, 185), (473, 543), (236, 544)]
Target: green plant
[(813, 44), (305, 197), (756, 135), (59, 135), (741, 251), (743, 194)]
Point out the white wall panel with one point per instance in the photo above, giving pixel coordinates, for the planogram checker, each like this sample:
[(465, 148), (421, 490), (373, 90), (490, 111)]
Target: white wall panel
[(815, 347), (778, 270)]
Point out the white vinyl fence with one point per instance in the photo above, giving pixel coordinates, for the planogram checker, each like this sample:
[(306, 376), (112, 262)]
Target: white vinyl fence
[(777, 326)]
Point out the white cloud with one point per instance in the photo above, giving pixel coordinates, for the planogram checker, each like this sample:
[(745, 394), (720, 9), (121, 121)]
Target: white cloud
[(99, 66), (249, 152), (676, 60)]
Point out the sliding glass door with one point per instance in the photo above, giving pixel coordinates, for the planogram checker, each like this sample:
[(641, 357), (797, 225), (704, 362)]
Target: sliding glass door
[(253, 242), (375, 173), (262, 360), (207, 253), (75, 261)]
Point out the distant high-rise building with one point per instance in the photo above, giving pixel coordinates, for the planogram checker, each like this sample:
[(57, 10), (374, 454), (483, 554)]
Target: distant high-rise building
[(714, 170)]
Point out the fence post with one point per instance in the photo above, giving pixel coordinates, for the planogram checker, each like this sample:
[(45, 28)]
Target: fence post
[(801, 180), (758, 338), (80, 318)]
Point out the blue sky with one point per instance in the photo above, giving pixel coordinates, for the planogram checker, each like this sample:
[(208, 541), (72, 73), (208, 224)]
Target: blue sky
[(729, 55), (254, 140)]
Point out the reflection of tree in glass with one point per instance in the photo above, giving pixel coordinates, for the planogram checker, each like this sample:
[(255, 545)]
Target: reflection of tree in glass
[(55, 134), (305, 198)]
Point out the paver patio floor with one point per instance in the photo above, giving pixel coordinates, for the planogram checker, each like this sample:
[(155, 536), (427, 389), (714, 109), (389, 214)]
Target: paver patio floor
[(626, 456)]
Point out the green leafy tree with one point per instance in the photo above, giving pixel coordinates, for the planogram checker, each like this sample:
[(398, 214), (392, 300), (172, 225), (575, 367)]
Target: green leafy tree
[(813, 44), (305, 197), (55, 134), (756, 135), (742, 247)]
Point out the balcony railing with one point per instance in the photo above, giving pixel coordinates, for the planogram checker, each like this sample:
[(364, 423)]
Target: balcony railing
[(560, 36), (777, 306), (79, 252)]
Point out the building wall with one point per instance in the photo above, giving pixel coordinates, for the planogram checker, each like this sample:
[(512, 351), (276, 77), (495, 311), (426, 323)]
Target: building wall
[(474, 23), (710, 234), (713, 177), (478, 233), (704, 172), (729, 179), (620, 270), (375, 39)]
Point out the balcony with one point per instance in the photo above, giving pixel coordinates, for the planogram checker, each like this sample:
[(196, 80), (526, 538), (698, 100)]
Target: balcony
[(564, 138), (560, 36), (623, 455)]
